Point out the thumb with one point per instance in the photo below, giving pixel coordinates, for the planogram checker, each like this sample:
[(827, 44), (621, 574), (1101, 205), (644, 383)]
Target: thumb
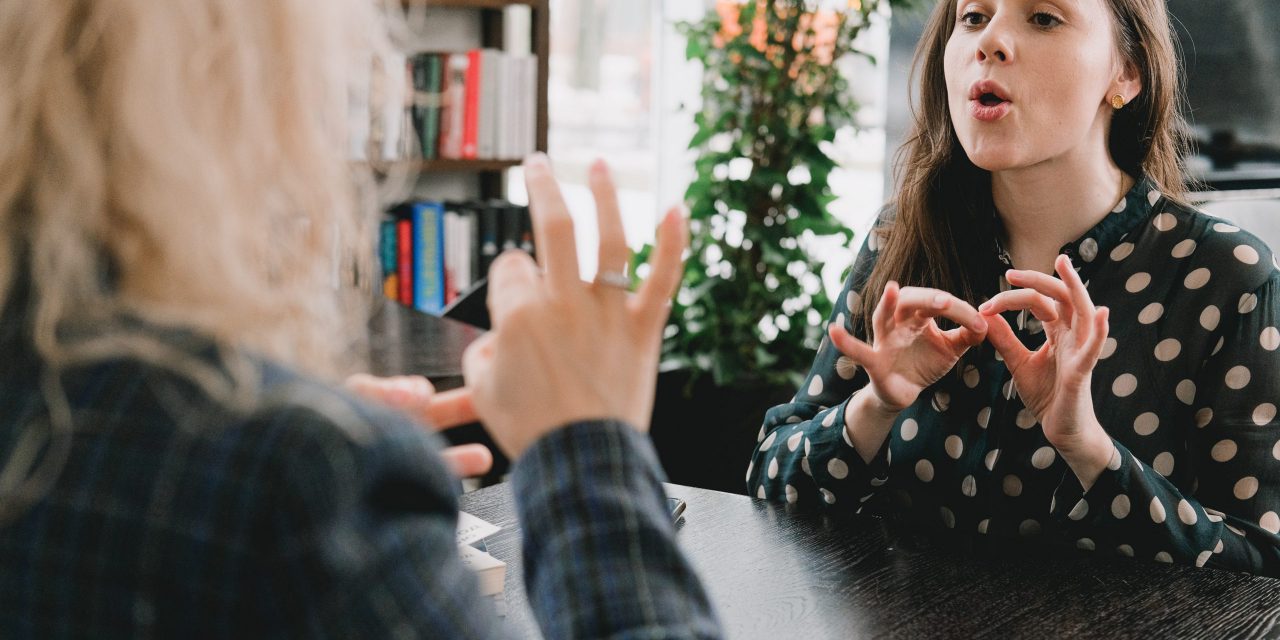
[(1005, 341)]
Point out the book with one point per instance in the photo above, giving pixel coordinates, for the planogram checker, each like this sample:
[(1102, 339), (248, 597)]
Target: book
[(404, 260), (431, 253), (471, 117), (428, 257), (428, 76), (491, 103), (453, 105), (490, 230), (517, 29), (512, 227), (358, 110), (387, 259), (393, 77)]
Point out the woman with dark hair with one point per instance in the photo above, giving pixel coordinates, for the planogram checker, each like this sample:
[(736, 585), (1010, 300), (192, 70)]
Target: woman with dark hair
[(1125, 406)]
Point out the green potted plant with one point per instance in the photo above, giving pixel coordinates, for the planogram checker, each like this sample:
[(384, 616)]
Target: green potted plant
[(751, 307)]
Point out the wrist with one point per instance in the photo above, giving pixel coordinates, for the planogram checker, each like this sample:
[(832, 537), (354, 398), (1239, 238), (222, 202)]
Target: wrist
[(1089, 455), (867, 423)]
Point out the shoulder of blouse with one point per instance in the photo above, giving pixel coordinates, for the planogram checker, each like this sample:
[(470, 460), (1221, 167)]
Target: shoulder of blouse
[(1238, 261)]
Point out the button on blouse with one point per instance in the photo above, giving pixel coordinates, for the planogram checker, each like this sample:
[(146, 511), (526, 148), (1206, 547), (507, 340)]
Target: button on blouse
[(1187, 387)]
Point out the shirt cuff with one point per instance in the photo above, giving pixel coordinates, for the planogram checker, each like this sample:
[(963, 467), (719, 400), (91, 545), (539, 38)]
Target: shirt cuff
[(837, 466), (584, 460), (1073, 507)]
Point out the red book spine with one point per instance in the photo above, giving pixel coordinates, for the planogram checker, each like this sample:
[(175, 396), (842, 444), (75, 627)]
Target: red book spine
[(471, 130), (404, 260)]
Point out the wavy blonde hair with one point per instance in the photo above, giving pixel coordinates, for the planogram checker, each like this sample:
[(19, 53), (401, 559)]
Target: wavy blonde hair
[(180, 161)]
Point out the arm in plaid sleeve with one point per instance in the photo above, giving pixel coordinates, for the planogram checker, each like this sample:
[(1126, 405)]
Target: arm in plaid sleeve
[(362, 535), (600, 558)]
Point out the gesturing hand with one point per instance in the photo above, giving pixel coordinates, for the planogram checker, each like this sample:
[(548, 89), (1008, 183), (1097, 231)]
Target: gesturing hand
[(416, 396), (911, 352), (1054, 380), (563, 350)]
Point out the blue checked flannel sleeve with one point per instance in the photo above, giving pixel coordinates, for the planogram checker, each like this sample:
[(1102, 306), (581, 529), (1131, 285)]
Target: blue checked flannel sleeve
[(600, 558)]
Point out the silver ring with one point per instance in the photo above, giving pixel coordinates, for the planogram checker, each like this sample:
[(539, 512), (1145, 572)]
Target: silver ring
[(615, 279)]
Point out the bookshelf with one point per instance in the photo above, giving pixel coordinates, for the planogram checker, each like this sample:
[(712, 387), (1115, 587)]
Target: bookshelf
[(491, 174)]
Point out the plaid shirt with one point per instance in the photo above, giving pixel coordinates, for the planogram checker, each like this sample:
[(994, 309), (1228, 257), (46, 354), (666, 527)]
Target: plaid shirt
[(313, 514)]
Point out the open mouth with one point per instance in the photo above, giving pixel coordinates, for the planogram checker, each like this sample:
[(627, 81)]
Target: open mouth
[(991, 100)]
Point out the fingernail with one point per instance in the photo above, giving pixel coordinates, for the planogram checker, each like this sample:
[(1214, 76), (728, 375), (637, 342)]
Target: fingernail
[(538, 160), (939, 301), (984, 306), (980, 326)]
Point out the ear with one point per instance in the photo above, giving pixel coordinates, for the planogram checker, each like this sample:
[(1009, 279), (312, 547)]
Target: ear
[(1127, 82)]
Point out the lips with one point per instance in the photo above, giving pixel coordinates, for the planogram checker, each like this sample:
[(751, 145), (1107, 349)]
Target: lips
[(989, 101), (989, 92)]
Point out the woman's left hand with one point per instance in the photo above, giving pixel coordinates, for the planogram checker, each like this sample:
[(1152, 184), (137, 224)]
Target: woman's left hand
[(1054, 381)]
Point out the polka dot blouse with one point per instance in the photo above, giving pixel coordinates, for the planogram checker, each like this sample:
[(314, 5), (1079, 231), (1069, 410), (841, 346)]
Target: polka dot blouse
[(1187, 387)]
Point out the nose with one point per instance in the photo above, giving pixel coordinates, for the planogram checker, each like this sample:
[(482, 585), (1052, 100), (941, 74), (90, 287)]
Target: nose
[(995, 43)]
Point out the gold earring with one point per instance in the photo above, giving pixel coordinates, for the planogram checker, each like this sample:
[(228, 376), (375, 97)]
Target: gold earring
[(1117, 101)]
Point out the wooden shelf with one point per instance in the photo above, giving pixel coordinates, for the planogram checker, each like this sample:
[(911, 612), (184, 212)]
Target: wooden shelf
[(439, 166), (469, 4)]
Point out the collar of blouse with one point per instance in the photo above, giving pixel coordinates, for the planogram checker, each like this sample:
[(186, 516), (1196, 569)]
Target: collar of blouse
[(1136, 207)]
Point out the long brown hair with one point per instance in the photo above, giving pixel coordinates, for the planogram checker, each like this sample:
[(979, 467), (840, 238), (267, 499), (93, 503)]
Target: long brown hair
[(944, 223)]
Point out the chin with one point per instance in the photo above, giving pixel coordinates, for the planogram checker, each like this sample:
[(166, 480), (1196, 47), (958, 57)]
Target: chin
[(993, 158)]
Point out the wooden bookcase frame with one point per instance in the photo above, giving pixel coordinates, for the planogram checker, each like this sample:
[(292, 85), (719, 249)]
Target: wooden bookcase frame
[(492, 173)]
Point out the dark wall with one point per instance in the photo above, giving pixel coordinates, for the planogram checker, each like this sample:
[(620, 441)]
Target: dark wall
[(1231, 50)]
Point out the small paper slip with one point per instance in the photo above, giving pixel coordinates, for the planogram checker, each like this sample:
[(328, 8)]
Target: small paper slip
[(471, 529), (490, 570)]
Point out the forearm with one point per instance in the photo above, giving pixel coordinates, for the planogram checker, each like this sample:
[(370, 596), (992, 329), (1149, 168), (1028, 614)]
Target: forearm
[(867, 423), (1134, 511), (1088, 457), (591, 503)]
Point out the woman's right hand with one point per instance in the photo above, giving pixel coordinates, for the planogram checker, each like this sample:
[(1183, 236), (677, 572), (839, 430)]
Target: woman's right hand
[(910, 352)]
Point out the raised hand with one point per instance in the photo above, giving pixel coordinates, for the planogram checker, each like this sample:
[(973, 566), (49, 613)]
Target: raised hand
[(1054, 380), (416, 396), (563, 350), (911, 352)]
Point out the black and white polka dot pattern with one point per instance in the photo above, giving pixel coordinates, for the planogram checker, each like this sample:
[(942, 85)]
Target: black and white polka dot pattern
[(1188, 388)]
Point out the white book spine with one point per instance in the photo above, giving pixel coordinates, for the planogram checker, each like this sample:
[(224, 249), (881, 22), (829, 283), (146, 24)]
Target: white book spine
[(393, 100), (517, 27), (530, 111), (490, 76)]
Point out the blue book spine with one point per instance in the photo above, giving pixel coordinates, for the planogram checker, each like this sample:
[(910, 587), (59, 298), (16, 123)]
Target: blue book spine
[(428, 257), (387, 247)]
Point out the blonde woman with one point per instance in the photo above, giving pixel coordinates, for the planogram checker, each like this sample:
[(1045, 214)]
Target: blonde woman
[(1108, 377), (173, 462)]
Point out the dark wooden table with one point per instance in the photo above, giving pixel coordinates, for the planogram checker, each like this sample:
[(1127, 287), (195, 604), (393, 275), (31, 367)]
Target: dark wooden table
[(779, 574), (403, 341)]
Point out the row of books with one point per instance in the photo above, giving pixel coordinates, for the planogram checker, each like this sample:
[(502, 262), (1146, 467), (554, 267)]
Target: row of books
[(481, 104), (432, 252)]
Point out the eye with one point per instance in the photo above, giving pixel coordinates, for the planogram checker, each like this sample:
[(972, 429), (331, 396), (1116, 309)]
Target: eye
[(972, 19), (1045, 20)]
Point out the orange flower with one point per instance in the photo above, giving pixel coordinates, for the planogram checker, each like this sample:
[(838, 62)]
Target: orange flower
[(826, 27)]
